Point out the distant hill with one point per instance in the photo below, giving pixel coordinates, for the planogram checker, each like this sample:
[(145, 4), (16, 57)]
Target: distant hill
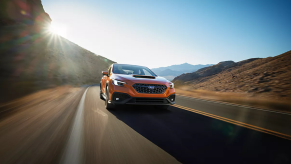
[(172, 71), (33, 59), (266, 77)]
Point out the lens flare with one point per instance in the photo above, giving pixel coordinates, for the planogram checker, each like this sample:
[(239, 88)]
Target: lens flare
[(58, 29)]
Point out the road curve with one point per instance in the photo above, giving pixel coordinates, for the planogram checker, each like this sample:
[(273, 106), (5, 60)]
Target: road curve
[(193, 131)]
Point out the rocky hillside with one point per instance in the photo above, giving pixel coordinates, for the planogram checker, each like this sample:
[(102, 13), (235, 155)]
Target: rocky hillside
[(266, 77), (33, 59)]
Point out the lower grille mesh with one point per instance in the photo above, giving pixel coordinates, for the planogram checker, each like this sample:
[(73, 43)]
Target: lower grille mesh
[(151, 100)]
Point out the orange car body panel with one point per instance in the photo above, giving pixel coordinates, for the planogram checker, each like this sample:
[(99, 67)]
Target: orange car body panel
[(130, 80)]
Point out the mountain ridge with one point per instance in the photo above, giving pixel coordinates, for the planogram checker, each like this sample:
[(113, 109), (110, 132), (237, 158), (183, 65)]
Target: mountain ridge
[(172, 71), (265, 77)]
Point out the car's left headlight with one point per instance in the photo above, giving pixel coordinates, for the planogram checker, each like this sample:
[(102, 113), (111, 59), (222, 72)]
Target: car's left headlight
[(117, 82), (171, 85)]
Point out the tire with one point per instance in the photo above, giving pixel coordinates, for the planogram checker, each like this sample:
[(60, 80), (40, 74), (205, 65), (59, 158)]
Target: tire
[(108, 106), (101, 94), (162, 107)]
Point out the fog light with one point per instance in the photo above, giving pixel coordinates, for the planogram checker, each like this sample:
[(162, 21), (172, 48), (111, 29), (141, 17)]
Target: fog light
[(117, 99), (171, 98)]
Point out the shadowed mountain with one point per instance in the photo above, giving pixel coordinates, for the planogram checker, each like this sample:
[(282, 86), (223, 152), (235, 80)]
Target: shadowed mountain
[(33, 59), (172, 71)]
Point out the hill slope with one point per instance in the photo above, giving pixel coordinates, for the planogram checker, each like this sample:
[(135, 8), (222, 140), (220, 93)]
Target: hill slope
[(267, 77), (33, 59)]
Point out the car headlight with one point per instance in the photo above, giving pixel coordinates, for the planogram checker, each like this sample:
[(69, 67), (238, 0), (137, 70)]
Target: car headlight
[(117, 82), (171, 85)]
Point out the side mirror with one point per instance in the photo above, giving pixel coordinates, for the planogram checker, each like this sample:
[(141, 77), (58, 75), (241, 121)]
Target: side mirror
[(105, 73)]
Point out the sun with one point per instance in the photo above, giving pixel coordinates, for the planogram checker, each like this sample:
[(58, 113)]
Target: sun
[(58, 29)]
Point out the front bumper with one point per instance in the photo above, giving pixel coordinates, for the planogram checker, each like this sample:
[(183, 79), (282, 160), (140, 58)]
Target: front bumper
[(119, 98)]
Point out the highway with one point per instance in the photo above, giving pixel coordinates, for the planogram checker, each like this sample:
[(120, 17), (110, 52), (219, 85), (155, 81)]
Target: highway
[(76, 128)]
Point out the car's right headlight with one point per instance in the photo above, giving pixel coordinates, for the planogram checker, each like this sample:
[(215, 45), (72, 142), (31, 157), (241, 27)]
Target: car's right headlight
[(171, 85), (117, 82)]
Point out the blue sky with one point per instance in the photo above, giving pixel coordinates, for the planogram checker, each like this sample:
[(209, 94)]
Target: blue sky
[(158, 33)]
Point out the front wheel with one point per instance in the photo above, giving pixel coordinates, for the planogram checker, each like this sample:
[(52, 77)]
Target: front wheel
[(101, 94), (107, 104)]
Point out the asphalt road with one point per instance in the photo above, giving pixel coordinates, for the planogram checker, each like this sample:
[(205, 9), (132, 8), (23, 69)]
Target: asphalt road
[(78, 129)]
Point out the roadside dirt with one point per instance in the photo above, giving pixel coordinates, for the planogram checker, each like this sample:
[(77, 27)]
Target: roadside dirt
[(35, 128), (237, 98)]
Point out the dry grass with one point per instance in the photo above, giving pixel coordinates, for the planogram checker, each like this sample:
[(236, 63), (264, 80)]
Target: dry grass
[(236, 98)]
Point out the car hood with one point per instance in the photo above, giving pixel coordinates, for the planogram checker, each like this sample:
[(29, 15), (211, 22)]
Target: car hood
[(131, 78)]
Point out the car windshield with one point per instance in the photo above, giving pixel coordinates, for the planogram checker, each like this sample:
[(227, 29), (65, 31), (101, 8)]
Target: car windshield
[(132, 70)]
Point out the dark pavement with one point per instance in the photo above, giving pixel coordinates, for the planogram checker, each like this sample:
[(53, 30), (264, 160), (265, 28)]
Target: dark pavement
[(142, 134)]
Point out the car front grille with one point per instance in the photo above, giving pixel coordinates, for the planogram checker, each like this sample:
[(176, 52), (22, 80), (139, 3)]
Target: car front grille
[(150, 88)]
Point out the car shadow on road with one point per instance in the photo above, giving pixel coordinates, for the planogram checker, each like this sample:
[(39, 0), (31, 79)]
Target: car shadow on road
[(194, 138), (138, 109)]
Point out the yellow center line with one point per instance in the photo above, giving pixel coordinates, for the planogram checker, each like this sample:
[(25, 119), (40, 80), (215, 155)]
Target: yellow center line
[(234, 104), (249, 126)]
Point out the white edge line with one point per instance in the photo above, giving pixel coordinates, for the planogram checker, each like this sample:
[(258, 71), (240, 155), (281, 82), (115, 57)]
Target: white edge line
[(74, 148), (224, 103)]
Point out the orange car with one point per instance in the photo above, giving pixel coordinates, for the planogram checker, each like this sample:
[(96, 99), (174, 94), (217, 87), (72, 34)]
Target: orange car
[(132, 84)]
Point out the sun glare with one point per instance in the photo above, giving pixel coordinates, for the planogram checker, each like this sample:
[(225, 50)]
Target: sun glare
[(58, 29)]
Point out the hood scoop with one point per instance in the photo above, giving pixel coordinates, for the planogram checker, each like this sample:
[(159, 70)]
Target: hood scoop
[(144, 76)]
